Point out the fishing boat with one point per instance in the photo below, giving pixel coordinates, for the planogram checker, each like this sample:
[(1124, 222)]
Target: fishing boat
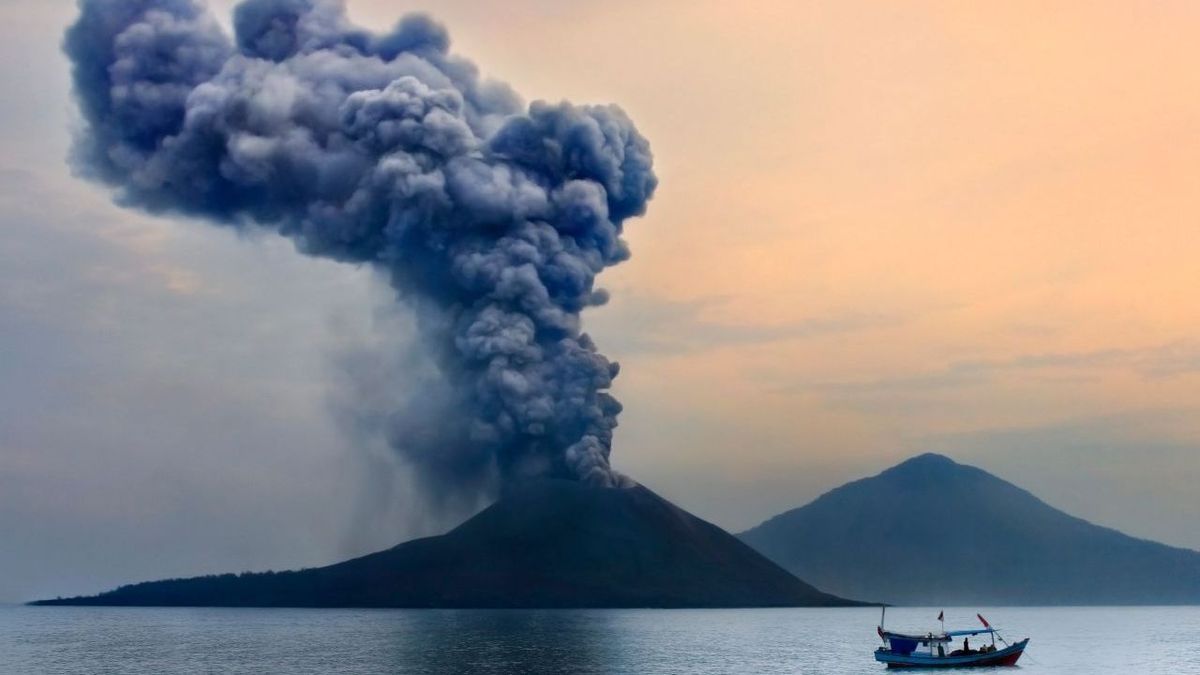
[(936, 650)]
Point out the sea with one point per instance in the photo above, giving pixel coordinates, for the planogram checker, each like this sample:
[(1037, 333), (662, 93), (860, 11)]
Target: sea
[(137, 641)]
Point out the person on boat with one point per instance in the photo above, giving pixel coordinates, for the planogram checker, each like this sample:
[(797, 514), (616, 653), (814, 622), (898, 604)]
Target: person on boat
[(966, 645)]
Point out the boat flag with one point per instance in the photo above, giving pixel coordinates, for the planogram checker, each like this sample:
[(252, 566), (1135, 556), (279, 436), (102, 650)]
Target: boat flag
[(984, 621), (941, 614)]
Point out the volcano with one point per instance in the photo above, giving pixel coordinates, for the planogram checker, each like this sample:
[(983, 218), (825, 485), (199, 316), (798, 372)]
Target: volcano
[(931, 531), (548, 544)]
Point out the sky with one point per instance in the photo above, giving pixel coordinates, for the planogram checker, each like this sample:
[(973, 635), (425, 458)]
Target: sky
[(968, 228)]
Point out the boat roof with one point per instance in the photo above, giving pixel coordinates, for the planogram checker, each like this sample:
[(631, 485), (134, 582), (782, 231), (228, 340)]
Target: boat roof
[(973, 631), (928, 637), (940, 637)]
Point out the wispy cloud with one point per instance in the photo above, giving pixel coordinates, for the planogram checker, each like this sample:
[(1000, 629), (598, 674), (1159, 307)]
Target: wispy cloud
[(1159, 361)]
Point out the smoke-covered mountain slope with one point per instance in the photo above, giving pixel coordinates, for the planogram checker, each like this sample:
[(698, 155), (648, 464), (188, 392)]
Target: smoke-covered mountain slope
[(551, 544), (933, 532)]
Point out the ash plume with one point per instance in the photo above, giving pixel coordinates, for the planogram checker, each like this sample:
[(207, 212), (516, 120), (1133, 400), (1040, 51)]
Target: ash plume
[(489, 218)]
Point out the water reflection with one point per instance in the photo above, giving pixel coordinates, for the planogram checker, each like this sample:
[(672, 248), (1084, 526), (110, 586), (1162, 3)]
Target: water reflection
[(504, 642)]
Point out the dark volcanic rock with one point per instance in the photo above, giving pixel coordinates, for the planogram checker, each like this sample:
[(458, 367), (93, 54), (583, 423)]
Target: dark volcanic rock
[(550, 544), (933, 532)]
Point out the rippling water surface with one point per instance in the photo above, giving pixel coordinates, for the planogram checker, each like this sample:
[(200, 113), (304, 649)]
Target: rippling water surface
[(168, 641)]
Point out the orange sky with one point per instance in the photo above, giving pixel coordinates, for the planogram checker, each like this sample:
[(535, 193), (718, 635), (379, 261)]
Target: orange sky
[(879, 224)]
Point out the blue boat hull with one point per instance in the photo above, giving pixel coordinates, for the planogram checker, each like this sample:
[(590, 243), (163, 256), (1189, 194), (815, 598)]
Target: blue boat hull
[(1001, 657)]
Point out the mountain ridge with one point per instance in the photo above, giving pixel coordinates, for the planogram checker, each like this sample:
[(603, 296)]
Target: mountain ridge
[(549, 544)]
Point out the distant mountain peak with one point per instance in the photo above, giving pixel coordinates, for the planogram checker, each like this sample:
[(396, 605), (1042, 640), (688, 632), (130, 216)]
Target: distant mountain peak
[(931, 472), (932, 531), (927, 460), (930, 463)]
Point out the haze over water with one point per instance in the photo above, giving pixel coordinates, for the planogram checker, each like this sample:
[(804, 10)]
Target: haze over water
[(65, 641)]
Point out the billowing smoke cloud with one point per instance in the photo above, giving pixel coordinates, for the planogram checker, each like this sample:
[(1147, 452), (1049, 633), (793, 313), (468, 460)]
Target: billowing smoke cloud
[(489, 218)]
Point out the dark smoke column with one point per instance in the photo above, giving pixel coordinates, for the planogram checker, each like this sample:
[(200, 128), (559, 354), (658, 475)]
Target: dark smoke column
[(490, 218)]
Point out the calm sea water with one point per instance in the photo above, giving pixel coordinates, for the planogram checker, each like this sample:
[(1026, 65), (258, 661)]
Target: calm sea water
[(1142, 641)]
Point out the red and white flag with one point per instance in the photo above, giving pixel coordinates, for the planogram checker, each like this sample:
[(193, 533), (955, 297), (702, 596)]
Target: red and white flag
[(983, 621)]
